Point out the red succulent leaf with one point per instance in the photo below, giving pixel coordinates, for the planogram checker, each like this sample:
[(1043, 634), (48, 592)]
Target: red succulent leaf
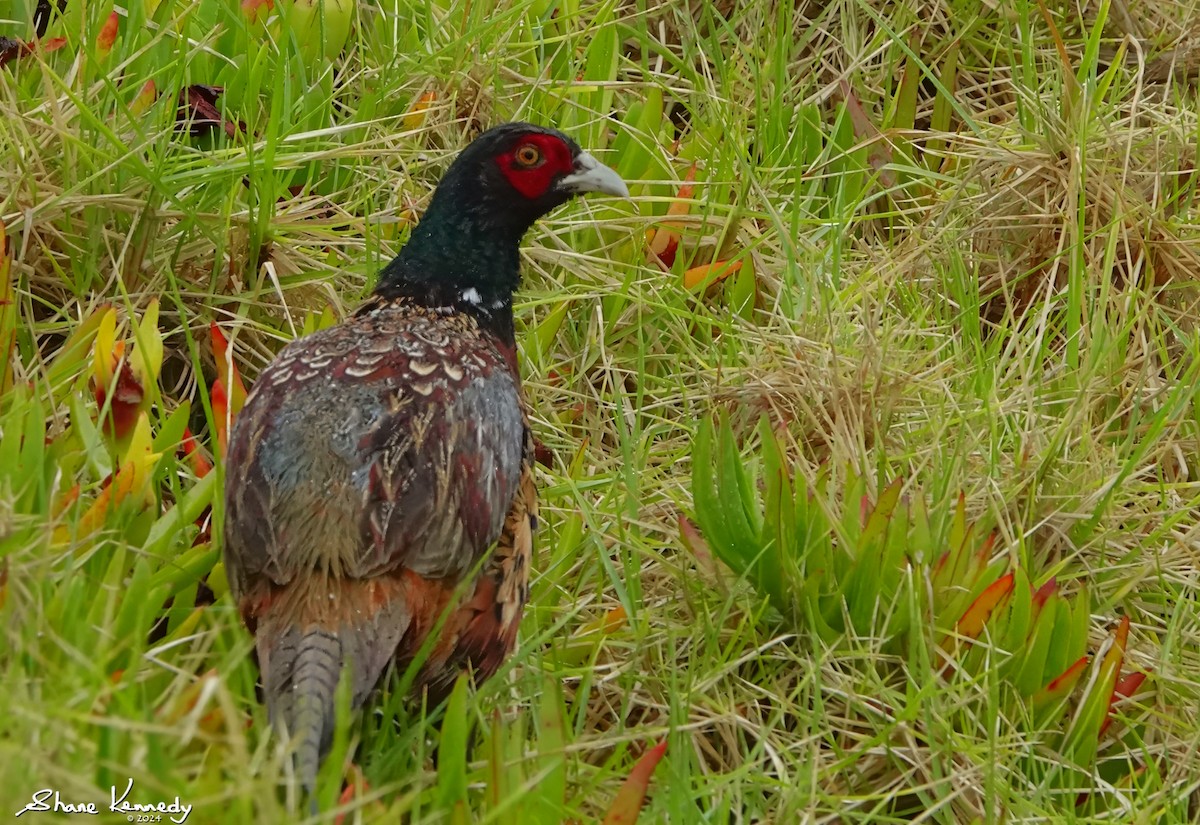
[(632, 795), (220, 411), (257, 11), (1061, 685), (1042, 594), (227, 370), (1128, 684), (693, 539), (201, 466), (198, 111), (985, 550), (357, 787), (125, 403), (1125, 687), (664, 245), (940, 563)]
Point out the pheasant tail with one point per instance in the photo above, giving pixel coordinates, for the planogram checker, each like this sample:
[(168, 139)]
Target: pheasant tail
[(302, 663)]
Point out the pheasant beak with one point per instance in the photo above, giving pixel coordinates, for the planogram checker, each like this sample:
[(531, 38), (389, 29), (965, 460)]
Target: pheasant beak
[(590, 175)]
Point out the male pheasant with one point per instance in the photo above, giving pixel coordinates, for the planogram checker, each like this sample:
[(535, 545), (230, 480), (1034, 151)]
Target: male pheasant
[(376, 463)]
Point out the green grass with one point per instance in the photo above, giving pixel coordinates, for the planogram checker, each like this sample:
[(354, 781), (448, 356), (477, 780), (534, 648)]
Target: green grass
[(965, 263)]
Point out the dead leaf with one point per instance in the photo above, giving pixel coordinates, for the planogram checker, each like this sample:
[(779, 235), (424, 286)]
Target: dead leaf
[(542, 454), (198, 111)]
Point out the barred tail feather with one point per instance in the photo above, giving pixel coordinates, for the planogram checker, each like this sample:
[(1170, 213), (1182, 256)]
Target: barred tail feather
[(302, 662), (300, 681)]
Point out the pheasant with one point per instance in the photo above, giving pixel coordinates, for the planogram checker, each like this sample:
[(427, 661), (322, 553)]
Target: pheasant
[(378, 482)]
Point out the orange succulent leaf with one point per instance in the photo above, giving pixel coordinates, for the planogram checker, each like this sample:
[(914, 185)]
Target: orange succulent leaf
[(682, 203), (1061, 685), (257, 11), (128, 480), (414, 119), (1110, 666), (357, 787), (197, 700), (107, 36), (220, 344), (708, 274), (972, 622), (227, 371), (145, 99), (663, 242), (612, 621), (201, 466), (632, 794), (68, 498)]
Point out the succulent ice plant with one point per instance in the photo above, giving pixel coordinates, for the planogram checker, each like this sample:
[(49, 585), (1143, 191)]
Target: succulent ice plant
[(839, 563)]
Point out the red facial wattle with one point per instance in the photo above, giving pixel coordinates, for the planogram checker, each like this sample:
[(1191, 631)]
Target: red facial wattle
[(535, 181)]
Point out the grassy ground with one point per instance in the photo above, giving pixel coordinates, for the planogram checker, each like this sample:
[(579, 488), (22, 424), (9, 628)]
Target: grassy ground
[(968, 238)]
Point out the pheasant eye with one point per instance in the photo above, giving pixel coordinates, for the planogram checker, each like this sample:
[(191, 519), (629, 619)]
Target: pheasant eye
[(528, 156)]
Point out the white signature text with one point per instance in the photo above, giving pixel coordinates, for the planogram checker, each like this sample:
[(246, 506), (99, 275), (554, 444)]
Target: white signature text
[(48, 799)]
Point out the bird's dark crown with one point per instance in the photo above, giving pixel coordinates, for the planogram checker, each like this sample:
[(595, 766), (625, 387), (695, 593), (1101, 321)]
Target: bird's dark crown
[(464, 253)]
